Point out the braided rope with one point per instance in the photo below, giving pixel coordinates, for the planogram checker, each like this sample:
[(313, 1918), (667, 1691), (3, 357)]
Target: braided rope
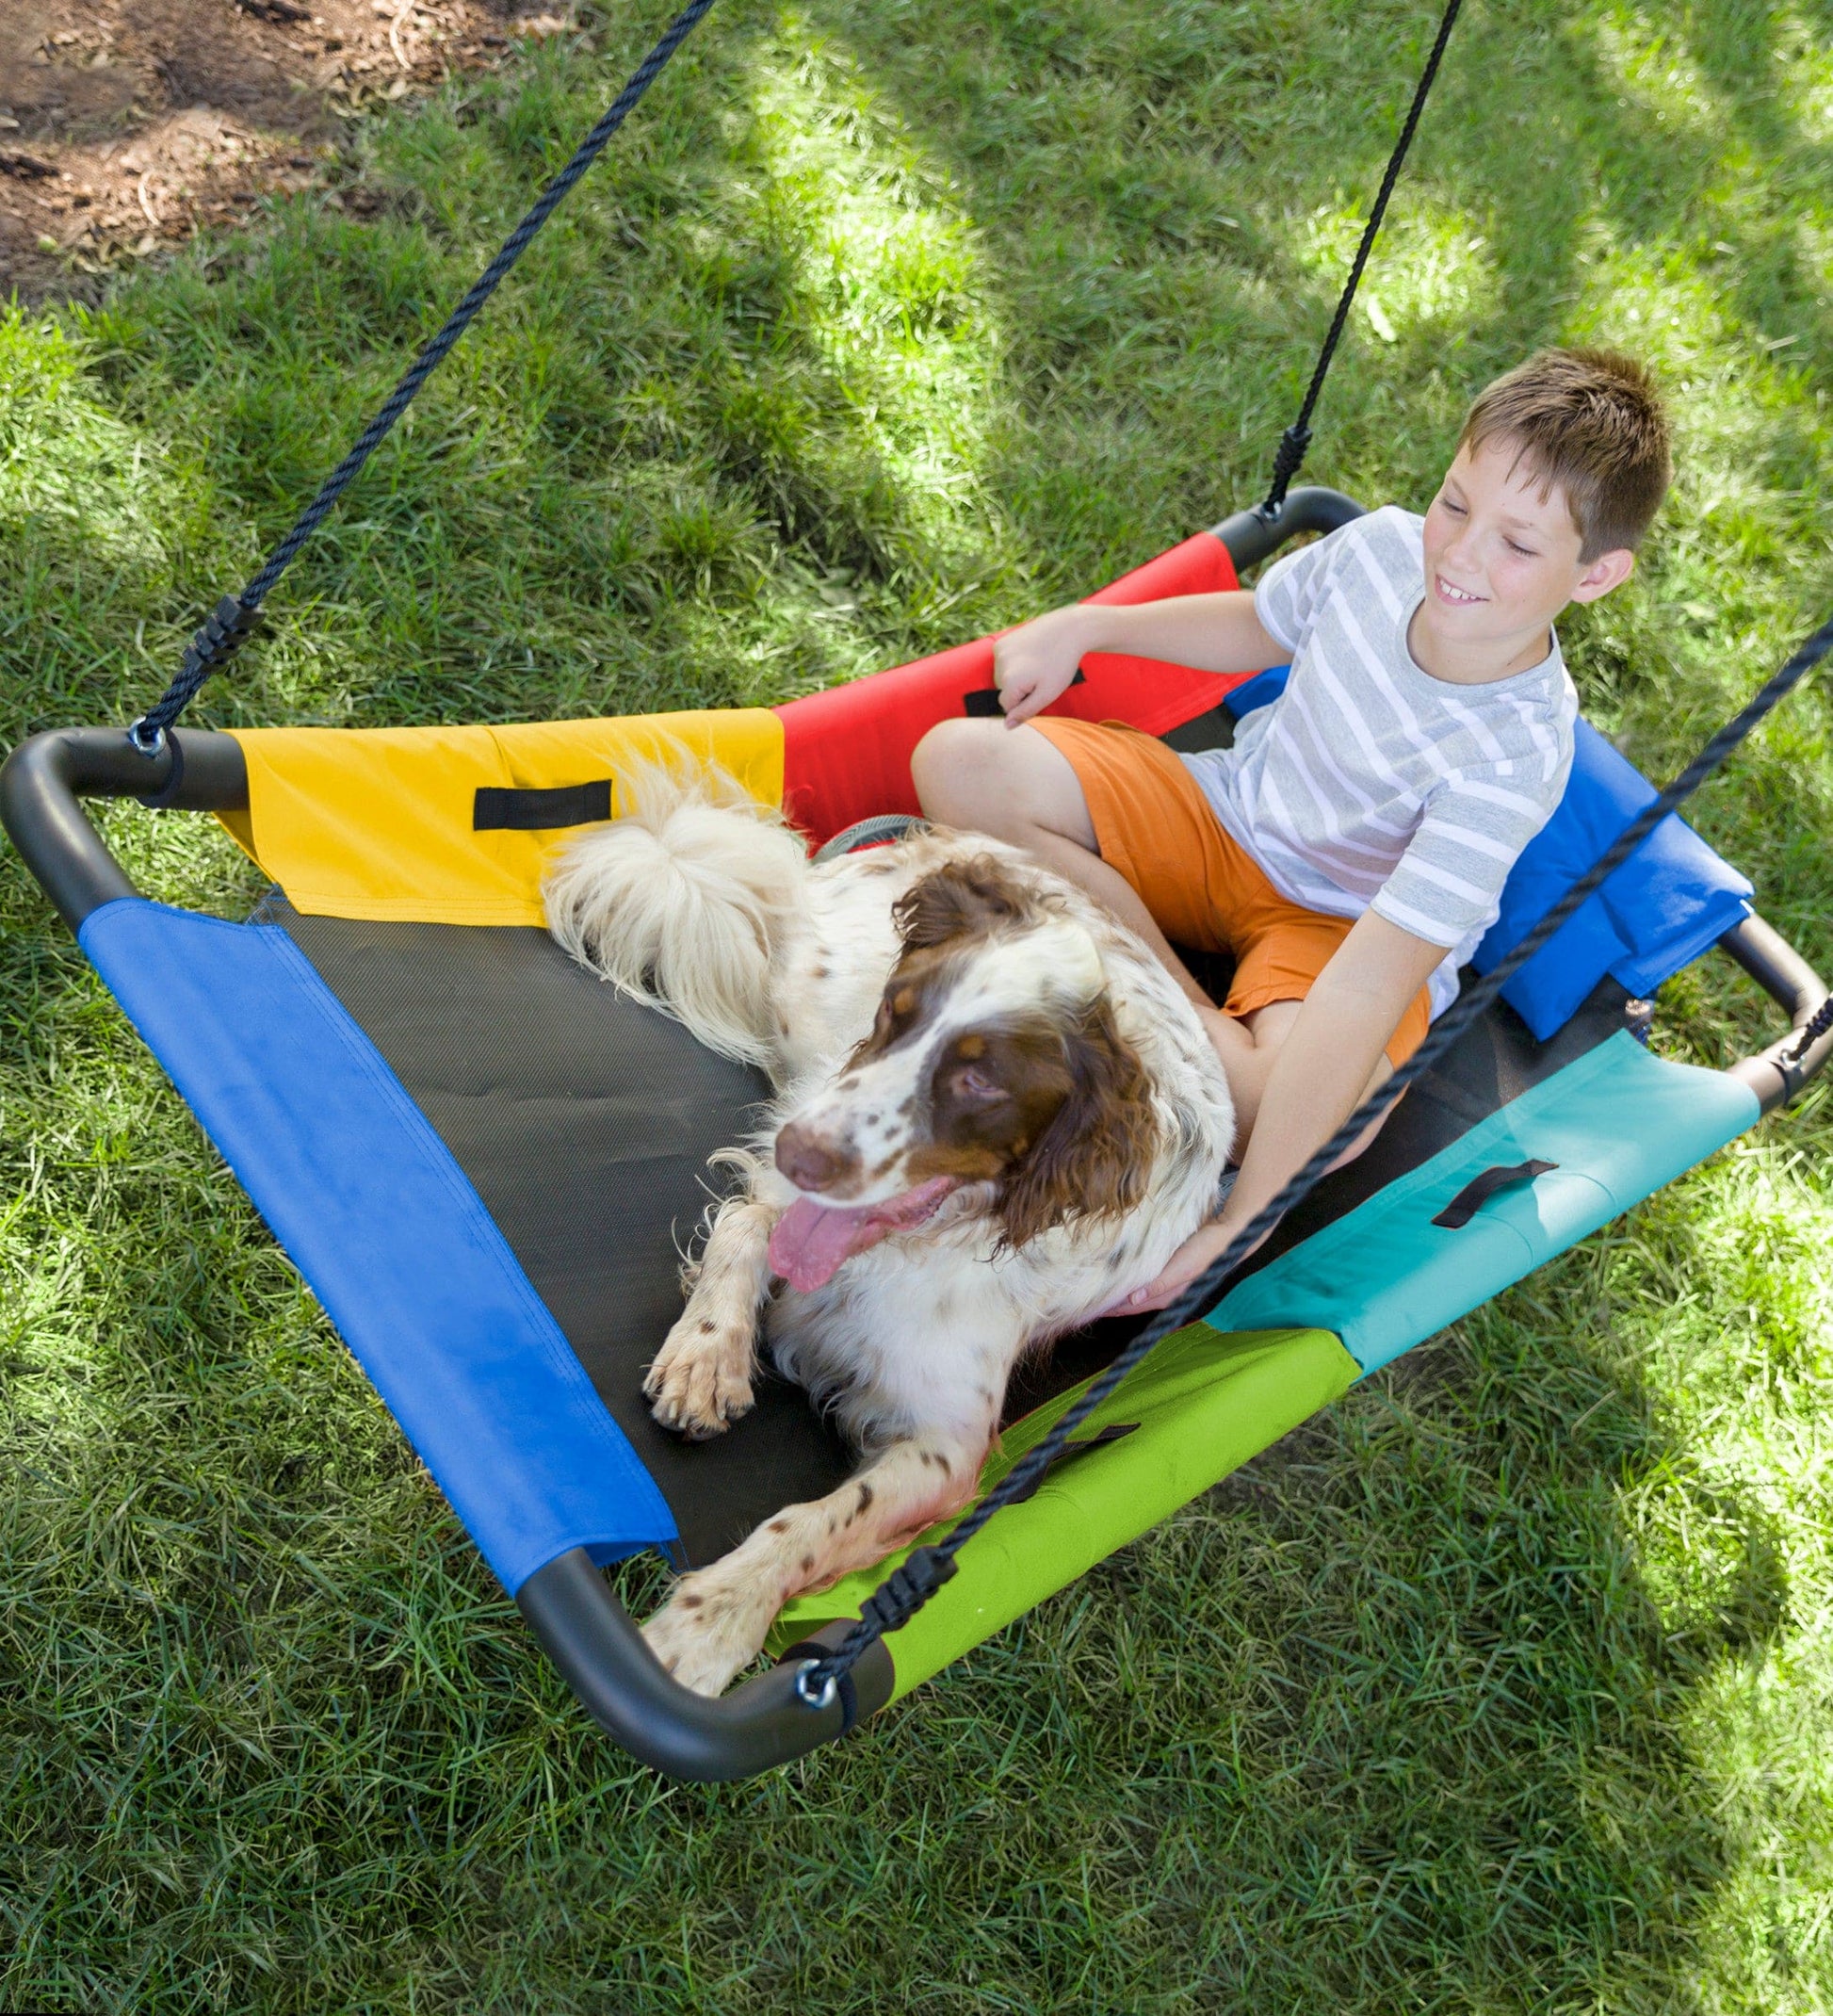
[(1297, 437), (1812, 1029), (234, 617), (903, 1593)]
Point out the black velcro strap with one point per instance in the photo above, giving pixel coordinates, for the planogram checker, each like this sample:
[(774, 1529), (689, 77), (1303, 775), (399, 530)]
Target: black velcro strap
[(1478, 1190), (983, 702), (1115, 1432), (496, 810)]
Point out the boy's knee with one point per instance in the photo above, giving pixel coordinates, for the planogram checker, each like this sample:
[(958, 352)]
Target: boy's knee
[(950, 767), (1013, 783)]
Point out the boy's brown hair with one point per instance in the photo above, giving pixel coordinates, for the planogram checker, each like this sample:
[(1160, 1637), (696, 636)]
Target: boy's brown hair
[(1593, 424)]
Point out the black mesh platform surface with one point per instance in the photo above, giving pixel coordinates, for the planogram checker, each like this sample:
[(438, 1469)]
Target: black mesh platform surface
[(585, 1122)]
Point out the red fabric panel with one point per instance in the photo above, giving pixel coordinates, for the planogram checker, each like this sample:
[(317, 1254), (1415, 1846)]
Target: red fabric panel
[(846, 751)]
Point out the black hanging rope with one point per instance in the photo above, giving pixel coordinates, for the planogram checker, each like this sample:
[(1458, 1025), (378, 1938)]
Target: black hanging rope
[(1812, 1029), (904, 1592), (1297, 437), (234, 617)]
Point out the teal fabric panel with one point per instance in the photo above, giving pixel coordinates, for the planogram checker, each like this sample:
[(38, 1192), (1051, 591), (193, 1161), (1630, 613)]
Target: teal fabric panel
[(1618, 1122)]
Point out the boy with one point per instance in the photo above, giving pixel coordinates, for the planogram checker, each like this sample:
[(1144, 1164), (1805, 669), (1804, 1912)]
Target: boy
[(1351, 848)]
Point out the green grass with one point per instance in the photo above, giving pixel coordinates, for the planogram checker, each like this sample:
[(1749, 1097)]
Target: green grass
[(1505, 1685)]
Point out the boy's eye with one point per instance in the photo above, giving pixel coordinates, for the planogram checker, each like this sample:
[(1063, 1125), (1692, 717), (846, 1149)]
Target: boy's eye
[(1458, 508), (1526, 552)]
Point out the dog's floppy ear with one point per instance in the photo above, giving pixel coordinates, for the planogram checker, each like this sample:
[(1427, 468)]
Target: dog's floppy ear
[(1095, 1156), (961, 897)]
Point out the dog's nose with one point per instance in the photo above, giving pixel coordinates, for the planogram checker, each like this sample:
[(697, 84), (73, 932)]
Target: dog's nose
[(809, 1163)]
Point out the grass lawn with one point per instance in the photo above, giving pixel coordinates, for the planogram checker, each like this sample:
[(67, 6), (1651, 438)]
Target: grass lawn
[(1507, 1684)]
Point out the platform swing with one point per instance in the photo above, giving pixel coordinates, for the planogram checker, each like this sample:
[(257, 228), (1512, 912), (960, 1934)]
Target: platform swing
[(480, 1157)]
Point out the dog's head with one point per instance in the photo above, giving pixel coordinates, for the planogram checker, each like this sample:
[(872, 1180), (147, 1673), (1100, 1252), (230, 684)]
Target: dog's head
[(995, 1059)]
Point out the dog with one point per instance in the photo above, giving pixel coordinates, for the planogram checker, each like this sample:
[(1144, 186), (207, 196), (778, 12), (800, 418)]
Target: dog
[(997, 1115)]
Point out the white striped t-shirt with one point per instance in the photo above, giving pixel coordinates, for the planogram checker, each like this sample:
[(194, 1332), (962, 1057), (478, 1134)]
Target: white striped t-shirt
[(1369, 784)]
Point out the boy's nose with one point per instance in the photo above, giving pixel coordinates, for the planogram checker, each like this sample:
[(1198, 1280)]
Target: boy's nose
[(1459, 550)]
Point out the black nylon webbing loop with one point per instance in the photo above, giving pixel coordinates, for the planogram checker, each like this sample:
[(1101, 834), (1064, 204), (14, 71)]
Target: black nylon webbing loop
[(1200, 1294), (1297, 437), (220, 638)]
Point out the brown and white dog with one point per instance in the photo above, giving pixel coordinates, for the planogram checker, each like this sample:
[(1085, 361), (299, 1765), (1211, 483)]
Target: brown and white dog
[(997, 1115)]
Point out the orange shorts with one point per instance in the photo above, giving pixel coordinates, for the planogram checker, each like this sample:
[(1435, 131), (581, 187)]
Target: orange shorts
[(1154, 825)]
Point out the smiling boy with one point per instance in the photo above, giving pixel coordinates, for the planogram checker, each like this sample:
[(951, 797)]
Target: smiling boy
[(1350, 850)]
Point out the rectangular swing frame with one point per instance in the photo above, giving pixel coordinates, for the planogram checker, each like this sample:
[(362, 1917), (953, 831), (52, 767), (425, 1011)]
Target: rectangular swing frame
[(1285, 1340)]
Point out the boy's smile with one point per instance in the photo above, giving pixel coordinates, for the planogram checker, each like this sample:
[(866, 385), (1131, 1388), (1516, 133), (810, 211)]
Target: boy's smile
[(1501, 561)]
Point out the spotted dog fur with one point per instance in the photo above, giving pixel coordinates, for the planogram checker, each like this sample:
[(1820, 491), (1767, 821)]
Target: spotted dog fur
[(997, 1115)]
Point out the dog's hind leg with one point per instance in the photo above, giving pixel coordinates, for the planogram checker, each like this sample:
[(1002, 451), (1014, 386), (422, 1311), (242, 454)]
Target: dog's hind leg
[(700, 1383), (717, 1618)]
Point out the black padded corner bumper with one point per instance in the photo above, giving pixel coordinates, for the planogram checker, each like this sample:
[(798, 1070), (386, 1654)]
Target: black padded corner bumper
[(586, 1631), (1778, 1073), (1252, 537), (44, 778)]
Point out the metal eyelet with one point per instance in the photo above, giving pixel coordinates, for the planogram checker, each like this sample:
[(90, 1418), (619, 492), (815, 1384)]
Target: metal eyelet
[(819, 1698)]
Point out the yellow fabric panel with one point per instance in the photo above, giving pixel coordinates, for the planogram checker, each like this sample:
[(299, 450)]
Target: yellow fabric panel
[(376, 823)]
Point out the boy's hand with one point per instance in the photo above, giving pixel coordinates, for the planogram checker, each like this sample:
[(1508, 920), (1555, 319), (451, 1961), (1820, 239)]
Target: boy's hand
[(1200, 1250), (1034, 664)]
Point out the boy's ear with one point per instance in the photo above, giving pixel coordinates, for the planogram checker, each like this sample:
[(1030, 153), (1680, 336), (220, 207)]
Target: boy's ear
[(1609, 570)]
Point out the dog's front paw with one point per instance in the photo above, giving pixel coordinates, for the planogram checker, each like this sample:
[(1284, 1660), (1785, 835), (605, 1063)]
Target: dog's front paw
[(700, 1383), (704, 1635)]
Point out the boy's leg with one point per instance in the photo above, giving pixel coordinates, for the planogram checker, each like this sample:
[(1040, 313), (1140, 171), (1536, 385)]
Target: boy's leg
[(1015, 784), (1267, 1029)]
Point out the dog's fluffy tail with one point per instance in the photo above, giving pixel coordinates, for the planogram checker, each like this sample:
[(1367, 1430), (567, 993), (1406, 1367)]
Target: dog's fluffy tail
[(682, 900)]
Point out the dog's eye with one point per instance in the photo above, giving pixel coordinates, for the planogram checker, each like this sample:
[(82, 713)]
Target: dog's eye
[(978, 1088)]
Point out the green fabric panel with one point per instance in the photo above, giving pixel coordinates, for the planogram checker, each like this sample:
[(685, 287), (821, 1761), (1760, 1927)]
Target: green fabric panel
[(1618, 1122), (1203, 1402)]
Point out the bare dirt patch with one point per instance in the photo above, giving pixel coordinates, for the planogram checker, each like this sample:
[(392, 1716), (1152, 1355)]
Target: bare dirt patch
[(126, 125)]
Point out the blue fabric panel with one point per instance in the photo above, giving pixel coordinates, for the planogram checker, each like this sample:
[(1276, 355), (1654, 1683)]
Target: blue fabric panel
[(1262, 689), (1672, 899), (387, 1230), (1618, 1122)]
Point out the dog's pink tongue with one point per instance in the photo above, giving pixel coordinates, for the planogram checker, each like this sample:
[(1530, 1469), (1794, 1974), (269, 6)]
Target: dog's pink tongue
[(811, 1239)]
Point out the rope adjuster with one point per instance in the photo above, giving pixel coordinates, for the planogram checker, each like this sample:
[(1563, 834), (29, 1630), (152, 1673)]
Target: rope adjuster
[(1286, 461), (907, 1589), (221, 635)]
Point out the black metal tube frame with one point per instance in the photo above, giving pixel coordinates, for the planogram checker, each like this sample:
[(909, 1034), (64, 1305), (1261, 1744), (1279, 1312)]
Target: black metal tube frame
[(583, 1627), (570, 1606)]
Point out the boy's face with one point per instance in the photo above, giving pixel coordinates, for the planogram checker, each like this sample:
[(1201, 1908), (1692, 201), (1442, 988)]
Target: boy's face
[(1502, 556)]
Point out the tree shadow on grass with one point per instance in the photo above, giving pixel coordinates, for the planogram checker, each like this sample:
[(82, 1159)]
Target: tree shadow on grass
[(1454, 1690), (1143, 183), (1488, 1698)]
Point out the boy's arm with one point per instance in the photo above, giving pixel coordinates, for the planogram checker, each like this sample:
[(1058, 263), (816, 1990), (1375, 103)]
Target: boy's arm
[(1220, 632), (1330, 1060)]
